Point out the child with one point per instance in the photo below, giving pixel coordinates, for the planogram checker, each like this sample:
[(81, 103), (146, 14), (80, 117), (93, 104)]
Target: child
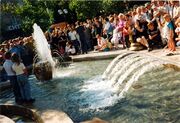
[(102, 43), (170, 33), (22, 79), (178, 34), (126, 32), (115, 38)]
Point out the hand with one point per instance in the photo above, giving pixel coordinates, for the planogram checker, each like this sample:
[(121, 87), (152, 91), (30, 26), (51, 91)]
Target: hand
[(150, 37)]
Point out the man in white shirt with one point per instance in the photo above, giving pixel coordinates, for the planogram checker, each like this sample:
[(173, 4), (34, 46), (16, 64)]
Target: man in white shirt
[(12, 77), (73, 37), (108, 29)]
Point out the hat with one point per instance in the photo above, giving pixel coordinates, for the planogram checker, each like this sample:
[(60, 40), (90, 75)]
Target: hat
[(140, 17), (147, 4)]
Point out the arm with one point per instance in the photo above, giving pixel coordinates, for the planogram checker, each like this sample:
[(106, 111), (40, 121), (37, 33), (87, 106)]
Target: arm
[(177, 39), (24, 69), (151, 37)]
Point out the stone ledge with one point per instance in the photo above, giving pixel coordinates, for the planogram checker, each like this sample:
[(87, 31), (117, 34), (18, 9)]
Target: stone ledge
[(21, 111), (49, 116)]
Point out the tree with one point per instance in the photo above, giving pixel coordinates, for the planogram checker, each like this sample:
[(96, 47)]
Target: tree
[(30, 12), (34, 12), (85, 9)]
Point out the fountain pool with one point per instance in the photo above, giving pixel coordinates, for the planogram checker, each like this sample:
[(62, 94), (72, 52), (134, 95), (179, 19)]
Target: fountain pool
[(132, 89)]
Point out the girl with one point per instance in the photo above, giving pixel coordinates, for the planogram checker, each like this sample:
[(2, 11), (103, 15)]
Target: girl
[(115, 38), (22, 79), (170, 33)]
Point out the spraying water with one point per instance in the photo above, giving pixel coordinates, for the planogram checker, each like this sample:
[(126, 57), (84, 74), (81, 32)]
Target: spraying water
[(124, 71), (41, 45)]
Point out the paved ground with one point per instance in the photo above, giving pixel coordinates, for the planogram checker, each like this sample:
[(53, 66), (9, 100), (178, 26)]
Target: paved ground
[(159, 53)]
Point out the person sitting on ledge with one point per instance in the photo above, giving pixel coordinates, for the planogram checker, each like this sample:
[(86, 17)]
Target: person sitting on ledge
[(70, 49), (154, 39), (103, 44), (177, 31)]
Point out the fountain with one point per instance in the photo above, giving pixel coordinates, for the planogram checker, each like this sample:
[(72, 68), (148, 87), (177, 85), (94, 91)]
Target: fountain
[(43, 63), (133, 88)]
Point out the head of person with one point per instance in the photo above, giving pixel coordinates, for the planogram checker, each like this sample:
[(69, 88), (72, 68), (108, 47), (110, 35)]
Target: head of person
[(160, 2), (106, 20), (111, 19), (143, 9), (148, 6), (150, 25), (98, 36), (154, 2), (138, 10), (7, 55), (15, 58), (140, 18), (177, 22), (167, 17), (120, 16), (126, 24), (133, 13)]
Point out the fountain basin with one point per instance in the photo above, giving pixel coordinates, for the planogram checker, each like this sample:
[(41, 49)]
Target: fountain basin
[(11, 110)]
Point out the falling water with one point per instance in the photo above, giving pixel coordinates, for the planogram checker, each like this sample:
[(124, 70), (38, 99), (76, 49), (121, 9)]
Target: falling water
[(41, 45), (120, 75), (127, 68)]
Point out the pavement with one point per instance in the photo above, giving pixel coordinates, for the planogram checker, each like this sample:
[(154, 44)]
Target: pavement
[(158, 53)]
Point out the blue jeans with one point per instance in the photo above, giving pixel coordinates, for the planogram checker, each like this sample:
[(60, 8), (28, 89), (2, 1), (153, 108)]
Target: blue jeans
[(16, 88), (24, 86)]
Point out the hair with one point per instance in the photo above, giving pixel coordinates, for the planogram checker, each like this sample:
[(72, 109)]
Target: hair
[(1, 60), (7, 55), (107, 19), (15, 58)]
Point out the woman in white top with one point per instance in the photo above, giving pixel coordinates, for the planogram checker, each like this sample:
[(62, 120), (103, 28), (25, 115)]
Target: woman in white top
[(22, 78), (70, 49)]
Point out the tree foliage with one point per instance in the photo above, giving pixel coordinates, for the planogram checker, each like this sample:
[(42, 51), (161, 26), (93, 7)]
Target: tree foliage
[(44, 12), (34, 12), (85, 9), (30, 12)]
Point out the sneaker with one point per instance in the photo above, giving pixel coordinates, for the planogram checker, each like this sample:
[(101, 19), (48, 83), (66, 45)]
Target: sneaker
[(149, 49)]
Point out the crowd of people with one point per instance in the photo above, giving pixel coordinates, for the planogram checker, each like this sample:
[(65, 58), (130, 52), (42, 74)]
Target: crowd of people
[(154, 25)]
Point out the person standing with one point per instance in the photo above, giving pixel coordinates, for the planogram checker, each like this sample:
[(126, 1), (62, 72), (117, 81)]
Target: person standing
[(12, 77), (73, 37), (80, 30), (22, 78), (169, 32)]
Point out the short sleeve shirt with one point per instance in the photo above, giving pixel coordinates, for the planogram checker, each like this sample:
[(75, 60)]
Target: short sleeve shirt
[(19, 69), (170, 25)]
